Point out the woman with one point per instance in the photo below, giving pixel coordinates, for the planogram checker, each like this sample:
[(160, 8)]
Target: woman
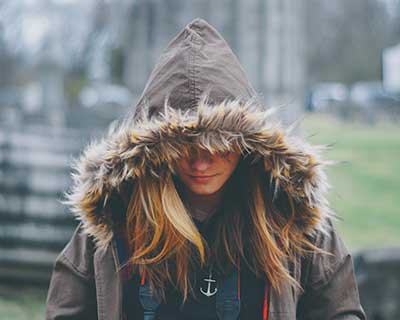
[(199, 206)]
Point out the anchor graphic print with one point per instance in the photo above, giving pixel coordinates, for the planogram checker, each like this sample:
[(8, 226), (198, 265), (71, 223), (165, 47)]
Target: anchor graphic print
[(209, 281)]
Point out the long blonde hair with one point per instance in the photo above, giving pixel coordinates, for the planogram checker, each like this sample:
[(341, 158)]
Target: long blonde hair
[(166, 245)]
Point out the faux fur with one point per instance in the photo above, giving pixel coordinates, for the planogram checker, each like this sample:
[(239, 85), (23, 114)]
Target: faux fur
[(131, 151)]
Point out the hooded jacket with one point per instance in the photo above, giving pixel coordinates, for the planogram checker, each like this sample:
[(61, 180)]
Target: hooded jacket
[(198, 92)]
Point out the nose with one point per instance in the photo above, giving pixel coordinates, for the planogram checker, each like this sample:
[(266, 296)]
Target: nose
[(200, 162)]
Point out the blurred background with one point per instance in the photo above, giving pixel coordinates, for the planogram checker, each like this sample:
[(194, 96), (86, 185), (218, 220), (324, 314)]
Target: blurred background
[(68, 68)]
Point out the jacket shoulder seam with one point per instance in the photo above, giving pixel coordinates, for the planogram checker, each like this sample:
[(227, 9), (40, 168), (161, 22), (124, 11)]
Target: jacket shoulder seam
[(74, 268), (327, 276)]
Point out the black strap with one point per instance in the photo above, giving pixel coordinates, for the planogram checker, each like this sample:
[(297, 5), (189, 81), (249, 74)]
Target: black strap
[(228, 302)]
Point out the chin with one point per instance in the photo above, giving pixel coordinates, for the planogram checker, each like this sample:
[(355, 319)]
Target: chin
[(204, 190)]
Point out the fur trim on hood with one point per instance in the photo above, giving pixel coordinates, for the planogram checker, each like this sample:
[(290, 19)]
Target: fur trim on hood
[(197, 93)]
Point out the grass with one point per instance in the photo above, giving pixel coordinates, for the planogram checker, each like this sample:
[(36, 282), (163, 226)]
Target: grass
[(22, 303), (365, 191)]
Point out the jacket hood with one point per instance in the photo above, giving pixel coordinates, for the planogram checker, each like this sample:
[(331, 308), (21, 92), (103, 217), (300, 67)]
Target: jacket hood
[(197, 93)]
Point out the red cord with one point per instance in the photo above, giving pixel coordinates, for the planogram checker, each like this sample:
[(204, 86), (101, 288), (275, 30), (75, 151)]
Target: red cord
[(143, 278), (265, 309)]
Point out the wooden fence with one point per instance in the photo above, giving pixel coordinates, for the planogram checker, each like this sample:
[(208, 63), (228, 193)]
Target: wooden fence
[(34, 225)]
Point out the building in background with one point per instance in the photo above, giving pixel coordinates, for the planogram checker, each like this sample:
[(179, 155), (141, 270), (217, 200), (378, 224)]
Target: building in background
[(391, 69)]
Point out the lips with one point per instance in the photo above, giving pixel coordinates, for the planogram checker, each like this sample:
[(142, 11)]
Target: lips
[(203, 176), (202, 179)]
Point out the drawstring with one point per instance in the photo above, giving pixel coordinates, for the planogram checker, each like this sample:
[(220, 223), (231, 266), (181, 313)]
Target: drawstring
[(143, 280), (265, 307), (266, 292)]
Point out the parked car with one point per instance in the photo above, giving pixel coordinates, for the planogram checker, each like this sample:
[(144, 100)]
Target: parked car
[(105, 95), (101, 103), (370, 94), (324, 95)]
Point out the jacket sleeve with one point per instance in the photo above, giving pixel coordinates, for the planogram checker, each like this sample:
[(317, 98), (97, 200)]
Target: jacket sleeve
[(331, 290), (72, 293)]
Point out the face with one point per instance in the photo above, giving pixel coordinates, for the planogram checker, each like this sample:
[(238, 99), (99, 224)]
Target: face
[(205, 173)]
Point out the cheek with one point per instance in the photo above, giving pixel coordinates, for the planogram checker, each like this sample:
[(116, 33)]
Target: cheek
[(230, 163), (181, 166)]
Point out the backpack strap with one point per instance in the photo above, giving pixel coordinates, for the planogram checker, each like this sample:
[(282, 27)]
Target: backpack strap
[(149, 301), (228, 297)]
